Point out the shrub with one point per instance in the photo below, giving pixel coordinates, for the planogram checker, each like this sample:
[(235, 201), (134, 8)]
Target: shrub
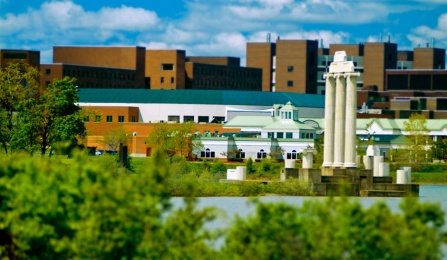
[(249, 165), (218, 167)]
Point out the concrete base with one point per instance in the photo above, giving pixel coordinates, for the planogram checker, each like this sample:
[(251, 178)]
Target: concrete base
[(355, 182), (287, 173)]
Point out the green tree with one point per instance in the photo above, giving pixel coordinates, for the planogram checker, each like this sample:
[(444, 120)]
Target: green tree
[(439, 149), (52, 118), (417, 141), (174, 138), (81, 210), (115, 137), (18, 84), (337, 228)]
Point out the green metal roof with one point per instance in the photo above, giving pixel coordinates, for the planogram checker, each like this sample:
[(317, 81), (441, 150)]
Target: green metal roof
[(192, 96)]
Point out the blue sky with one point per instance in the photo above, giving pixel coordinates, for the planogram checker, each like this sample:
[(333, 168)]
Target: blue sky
[(216, 27)]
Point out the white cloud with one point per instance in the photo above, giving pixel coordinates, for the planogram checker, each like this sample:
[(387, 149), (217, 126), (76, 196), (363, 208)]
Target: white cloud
[(422, 35)]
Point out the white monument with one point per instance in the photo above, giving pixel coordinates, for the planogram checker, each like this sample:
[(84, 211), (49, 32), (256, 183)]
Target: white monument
[(340, 113)]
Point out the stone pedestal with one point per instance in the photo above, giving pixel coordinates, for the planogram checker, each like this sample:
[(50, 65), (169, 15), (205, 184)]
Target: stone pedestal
[(384, 169), (367, 163), (308, 157), (287, 173), (289, 163), (402, 177), (377, 160), (238, 174)]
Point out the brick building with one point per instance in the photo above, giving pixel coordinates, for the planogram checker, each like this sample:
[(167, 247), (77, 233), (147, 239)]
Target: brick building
[(287, 65), (30, 57)]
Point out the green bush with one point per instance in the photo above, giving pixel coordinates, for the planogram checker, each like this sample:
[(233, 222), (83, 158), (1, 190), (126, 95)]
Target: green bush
[(218, 167), (249, 165), (290, 187)]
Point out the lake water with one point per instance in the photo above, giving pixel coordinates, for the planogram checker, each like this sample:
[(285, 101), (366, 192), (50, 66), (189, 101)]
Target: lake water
[(232, 206)]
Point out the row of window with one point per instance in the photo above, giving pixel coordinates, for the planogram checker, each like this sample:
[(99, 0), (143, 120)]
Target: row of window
[(95, 74), (226, 84), (201, 119), (289, 135), (227, 72), (109, 119), (241, 154)]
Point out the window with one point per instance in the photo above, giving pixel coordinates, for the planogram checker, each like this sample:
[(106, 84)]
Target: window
[(289, 135), (270, 135), (204, 119), (86, 118), (280, 135), (240, 154), (172, 80), (21, 56), (97, 118), (207, 153), (120, 119), (47, 83), (133, 119), (188, 118), (174, 119), (290, 83), (292, 155), (162, 80), (47, 72), (167, 66), (289, 68), (109, 119), (261, 154)]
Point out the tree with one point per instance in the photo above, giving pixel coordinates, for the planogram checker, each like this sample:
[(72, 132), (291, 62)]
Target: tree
[(337, 228), (174, 138), (439, 149), (52, 118), (18, 84), (115, 137), (417, 140)]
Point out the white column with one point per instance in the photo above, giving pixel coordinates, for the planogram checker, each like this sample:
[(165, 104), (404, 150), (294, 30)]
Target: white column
[(339, 131), (329, 115), (350, 124)]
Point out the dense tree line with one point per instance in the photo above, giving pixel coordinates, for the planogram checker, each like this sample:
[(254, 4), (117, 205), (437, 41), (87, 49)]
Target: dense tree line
[(89, 208)]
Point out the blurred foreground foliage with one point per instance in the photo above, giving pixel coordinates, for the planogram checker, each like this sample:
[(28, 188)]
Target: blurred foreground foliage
[(91, 208)]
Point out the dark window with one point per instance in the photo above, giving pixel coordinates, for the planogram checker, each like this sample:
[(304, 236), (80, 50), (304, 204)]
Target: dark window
[(289, 68), (162, 80), (47, 72), (207, 153), (204, 119), (289, 135), (86, 118), (47, 83), (292, 155), (188, 118), (172, 80), (240, 154), (21, 56), (279, 135), (133, 119), (109, 119), (174, 118), (167, 66), (97, 118), (261, 154), (290, 83), (120, 119)]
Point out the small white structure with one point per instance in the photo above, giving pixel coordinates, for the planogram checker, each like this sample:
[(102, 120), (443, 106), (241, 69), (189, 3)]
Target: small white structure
[(384, 169), (238, 174), (403, 176), (308, 157)]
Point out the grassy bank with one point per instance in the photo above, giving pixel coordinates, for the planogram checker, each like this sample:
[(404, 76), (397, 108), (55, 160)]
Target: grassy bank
[(204, 176)]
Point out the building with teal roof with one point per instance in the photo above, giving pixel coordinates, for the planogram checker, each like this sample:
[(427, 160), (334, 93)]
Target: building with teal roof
[(202, 106)]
